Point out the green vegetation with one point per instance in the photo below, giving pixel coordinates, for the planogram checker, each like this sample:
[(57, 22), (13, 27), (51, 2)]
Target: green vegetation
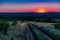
[(57, 25), (28, 18), (3, 26), (8, 32), (51, 32)]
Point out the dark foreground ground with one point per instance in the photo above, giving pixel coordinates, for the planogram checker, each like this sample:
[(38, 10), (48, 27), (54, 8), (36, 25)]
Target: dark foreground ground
[(23, 26)]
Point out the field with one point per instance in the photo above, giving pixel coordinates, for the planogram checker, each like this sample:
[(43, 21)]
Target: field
[(19, 27)]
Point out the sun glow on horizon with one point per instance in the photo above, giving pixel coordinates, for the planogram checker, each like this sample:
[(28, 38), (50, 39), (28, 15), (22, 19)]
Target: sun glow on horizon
[(42, 10)]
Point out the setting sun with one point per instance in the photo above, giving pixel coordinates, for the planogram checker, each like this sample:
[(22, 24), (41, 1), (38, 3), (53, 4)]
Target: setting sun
[(41, 10)]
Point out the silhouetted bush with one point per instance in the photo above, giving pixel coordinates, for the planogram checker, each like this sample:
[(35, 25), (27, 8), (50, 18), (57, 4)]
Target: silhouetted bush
[(57, 26), (3, 26)]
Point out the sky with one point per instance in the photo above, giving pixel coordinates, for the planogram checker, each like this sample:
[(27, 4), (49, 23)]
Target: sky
[(29, 5), (16, 1)]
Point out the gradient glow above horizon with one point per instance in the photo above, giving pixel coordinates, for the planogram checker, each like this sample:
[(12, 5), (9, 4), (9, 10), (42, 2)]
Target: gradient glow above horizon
[(29, 5)]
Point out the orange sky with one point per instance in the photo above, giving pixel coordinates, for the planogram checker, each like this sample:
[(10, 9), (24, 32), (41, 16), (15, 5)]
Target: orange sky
[(31, 10), (31, 7)]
